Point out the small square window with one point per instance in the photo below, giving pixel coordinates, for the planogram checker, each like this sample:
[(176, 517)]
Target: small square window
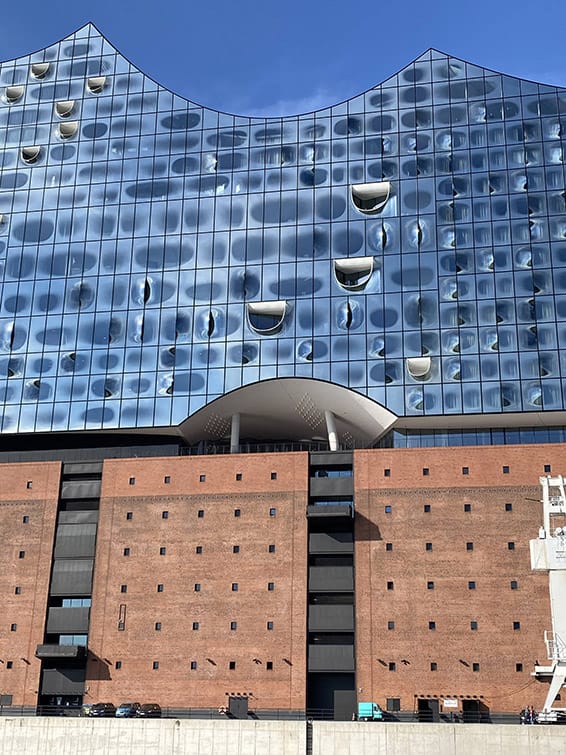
[(475, 667), (393, 704), (235, 549), (22, 554), (234, 587), (392, 666), (473, 625), (158, 626), (13, 627), (516, 626), (132, 480), (238, 476), (195, 626), (129, 515), (387, 509), (518, 667), (270, 625), (118, 665), (271, 548), (471, 585), (467, 507), (426, 471), (202, 478), (197, 586), (163, 551), (430, 585), (505, 469), (272, 512), (29, 484), (387, 473), (547, 469), (269, 666), (123, 588), (165, 515), (167, 479), (126, 551), (274, 475), (193, 665), (271, 586), (237, 512), (388, 546), (432, 624), (17, 590), (428, 546), (426, 508), (198, 549), (159, 588), (511, 546), (508, 507), (469, 546), (200, 513), (232, 665), (514, 584), (155, 665), (9, 664), (233, 626), (390, 586), (390, 625), (434, 666), (465, 470), (25, 520)]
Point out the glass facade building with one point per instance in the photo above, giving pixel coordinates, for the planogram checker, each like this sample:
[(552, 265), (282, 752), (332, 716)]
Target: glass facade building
[(408, 244)]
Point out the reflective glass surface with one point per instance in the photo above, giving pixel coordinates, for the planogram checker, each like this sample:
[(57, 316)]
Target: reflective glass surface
[(136, 227)]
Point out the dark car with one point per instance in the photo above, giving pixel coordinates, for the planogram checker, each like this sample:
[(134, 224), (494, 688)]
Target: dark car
[(102, 710), (149, 710), (127, 710)]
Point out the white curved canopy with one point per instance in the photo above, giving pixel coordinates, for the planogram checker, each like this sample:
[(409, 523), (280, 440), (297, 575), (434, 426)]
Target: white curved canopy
[(353, 273), (266, 316), (370, 198)]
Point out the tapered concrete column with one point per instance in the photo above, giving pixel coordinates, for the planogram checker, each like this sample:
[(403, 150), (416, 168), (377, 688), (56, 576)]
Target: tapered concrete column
[(331, 430), (235, 434)]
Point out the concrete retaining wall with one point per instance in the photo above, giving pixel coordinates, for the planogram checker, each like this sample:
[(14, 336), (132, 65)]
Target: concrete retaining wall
[(57, 736)]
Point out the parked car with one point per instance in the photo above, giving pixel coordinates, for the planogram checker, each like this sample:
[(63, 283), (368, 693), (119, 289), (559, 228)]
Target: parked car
[(127, 710), (149, 710), (102, 710)]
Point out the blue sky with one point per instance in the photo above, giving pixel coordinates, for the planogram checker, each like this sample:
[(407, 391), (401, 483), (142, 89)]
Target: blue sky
[(277, 58)]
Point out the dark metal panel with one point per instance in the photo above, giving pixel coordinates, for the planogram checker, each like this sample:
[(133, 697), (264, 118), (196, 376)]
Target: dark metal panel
[(330, 458), (330, 510), (331, 618), (68, 681), (68, 620), (74, 468), (331, 579), (80, 489), (331, 542), (72, 577), (75, 540), (78, 517), (328, 487), (60, 651), (331, 658)]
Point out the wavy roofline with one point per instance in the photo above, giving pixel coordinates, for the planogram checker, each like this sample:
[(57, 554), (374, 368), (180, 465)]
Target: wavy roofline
[(276, 118)]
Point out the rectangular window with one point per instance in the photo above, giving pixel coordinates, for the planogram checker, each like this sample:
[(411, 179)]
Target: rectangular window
[(269, 666), (271, 548), (518, 667), (433, 666), (426, 508), (270, 625), (432, 624), (132, 480), (123, 588), (234, 587), (238, 476), (388, 546), (200, 513), (193, 665), (274, 475), (467, 507), (387, 509), (235, 549), (547, 468), (159, 588), (202, 478), (465, 470), (390, 586), (25, 519), (272, 512), (430, 585), (426, 471), (508, 507), (13, 627), (129, 515), (232, 665), (155, 665), (233, 626), (514, 584), (511, 546), (237, 512), (17, 590), (271, 586), (165, 515), (475, 667), (197, 586), (167, 479), (471, 585), (126, 551), (516, 626), (118, 665), (198, 549), (473, 625), (469, 546), (387, 473), (162, 551), (9, 664), (390, 625), (428, 546), (195, 626), (392, 666), (158, 626), (393, 704), (29, 484), (22, 554), (505, 469)]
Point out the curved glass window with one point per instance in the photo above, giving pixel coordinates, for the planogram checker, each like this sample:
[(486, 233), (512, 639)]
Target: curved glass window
[(95, 84), (13, 94), (353, 273), (64, 108), (370, 198), (30, 155), (418, 367), (266, 316), (68, 129), (39, 70)]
